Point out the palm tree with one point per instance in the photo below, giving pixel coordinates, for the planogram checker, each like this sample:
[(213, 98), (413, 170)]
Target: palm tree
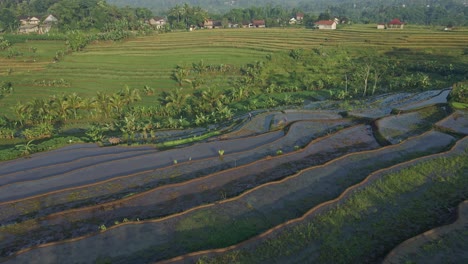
[(89, 105), (212, 98), (40, 110), (130, 95), (103, 104), (117, 103), (21, 112), (179, 75), (75, 103), (61, 106), (175, 100)]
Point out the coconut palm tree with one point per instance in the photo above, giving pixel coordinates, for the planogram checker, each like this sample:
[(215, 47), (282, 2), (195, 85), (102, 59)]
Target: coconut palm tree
[(130, 95), (75, 103), (180, 74), (175, 100), (21, 112), (211, 98), (40, 110), (117, 103), (61, 106), (103, 104)]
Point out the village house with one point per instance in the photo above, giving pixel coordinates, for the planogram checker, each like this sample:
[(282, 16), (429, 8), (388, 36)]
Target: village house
[(210, 24), (299, 17), (381, 26), (233, 25), (157, 22), (395, 24), (246, 24), (326, 24), (293, 21), (29, 25), (48, 23), (33, 25), (258, 23)]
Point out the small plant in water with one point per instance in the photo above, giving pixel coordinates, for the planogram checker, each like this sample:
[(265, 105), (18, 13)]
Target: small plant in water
[(102, 227), (296, 147), (279, 152), (175, 161)]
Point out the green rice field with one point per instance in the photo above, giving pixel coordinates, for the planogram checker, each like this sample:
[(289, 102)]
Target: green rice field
[(109, 66)]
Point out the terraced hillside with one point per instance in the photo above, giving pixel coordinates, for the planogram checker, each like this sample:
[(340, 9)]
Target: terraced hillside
[(150, 60), (287, 186)]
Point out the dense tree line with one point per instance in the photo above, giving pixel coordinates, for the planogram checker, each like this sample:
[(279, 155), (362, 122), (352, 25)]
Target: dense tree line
[(431, 12), (98, 14), (72, 14)]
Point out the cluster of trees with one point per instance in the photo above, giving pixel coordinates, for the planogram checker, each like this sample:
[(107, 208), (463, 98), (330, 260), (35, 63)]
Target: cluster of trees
[(98, 14), (284, 78), (38, 118), (72, 14), (431, 12), (183, 16)]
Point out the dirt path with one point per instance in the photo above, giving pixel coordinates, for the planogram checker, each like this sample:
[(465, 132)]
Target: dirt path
[(254, 211)]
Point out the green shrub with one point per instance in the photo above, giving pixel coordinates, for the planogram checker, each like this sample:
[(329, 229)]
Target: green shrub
[(460, 92)]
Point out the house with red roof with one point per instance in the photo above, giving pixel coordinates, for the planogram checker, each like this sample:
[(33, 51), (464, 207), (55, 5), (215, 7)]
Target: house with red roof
[(258, 23), (395, 24), (299, 16), (326, 24)]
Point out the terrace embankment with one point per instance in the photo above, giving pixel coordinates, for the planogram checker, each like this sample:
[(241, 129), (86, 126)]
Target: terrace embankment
[(383, 105), (385, 208), (298, 135), (445, 244), (396, 128), (457, 123), (39, 180), (173, 198), (234, 220)]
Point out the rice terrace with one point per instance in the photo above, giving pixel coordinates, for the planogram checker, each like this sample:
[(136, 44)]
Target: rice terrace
[(283, 144)]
